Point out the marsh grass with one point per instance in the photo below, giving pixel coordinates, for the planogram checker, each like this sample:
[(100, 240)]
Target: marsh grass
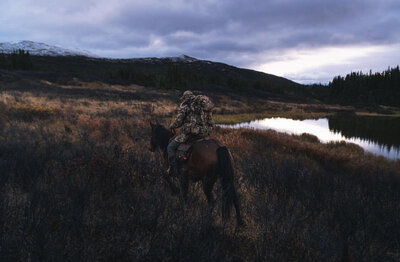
[(309, 138), (79, 183)]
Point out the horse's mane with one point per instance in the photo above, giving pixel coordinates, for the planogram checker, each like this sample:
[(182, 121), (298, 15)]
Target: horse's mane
[(162, 135)]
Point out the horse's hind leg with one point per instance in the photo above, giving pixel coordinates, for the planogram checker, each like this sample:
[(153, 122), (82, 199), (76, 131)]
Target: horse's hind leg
[(239, 218)]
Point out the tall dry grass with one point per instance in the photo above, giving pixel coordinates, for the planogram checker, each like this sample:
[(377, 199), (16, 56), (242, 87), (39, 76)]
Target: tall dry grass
[(78, 183)]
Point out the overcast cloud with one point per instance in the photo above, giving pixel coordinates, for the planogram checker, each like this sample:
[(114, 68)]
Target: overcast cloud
[(307, 40)]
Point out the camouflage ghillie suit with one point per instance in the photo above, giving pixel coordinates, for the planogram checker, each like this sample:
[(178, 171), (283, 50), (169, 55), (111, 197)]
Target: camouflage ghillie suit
[(195, 118)]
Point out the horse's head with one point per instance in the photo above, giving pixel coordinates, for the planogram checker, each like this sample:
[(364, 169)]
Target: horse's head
[(159, 137)]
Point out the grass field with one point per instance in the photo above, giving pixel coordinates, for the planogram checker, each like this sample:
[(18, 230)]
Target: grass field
[(78, 183)]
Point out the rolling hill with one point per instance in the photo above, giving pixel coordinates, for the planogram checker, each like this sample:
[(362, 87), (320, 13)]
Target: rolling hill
[(181, 72)]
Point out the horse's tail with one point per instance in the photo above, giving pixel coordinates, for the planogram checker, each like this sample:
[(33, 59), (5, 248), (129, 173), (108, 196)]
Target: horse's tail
[(228, 188)]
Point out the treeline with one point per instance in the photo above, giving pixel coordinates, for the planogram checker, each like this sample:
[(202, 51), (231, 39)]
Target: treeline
[(167, 74), (170, 77), (159, 73), (180, 76), (361, 89), (17, 60)]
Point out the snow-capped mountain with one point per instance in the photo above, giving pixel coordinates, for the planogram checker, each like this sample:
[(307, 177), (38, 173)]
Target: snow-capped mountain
[(35, 48), (42, 49), (175, 59), (183, 58)]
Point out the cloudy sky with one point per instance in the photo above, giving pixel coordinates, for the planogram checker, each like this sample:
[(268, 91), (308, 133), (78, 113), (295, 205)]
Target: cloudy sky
[(303, 40)]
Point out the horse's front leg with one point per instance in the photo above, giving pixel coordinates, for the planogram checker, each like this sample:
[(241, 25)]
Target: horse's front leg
[(208, 185), (184, 181)]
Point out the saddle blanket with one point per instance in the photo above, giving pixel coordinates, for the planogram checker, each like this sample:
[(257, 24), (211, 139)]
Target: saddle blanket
[(184, 149)]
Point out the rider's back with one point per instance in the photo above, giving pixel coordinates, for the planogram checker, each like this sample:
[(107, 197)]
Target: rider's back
[(200, 116)]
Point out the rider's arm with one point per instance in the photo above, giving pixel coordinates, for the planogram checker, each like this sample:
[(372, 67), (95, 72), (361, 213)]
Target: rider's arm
[(178, 122)]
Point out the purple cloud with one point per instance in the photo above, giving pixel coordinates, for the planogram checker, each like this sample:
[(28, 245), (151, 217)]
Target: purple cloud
[(241, 33)]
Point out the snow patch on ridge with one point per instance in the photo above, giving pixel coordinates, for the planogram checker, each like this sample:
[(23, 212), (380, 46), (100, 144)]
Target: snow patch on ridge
[(42, 49)]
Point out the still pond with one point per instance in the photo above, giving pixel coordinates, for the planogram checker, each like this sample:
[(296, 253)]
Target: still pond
[(378, 135)]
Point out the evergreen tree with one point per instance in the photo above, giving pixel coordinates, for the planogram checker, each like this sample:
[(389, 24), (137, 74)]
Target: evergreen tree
[(3, 61), (19, 60), (358, 88)]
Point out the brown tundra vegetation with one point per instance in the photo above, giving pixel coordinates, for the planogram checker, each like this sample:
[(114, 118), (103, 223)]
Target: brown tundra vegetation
[(78, 183)]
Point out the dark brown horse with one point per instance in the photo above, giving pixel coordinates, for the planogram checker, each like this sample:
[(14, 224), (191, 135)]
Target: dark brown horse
[(207, 162)]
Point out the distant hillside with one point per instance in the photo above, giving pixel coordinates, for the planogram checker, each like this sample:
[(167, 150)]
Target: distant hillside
[(185, 72), (181, 72), (172, 73)]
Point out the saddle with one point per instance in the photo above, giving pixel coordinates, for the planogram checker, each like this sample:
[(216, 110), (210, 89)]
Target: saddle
[(184, 150)]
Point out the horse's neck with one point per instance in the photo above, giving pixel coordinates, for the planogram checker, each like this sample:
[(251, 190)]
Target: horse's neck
[(166, 137)]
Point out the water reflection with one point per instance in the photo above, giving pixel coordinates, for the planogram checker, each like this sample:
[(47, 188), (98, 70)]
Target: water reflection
[(375, 134)]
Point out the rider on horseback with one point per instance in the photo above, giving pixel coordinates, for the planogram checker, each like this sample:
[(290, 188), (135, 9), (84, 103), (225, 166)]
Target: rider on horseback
[(195, 118)]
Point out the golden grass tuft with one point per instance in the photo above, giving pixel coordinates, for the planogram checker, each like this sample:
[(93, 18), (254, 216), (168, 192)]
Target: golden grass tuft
[(29, 112)]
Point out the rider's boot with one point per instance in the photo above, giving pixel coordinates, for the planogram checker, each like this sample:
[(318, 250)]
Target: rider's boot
[(173, 167)]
